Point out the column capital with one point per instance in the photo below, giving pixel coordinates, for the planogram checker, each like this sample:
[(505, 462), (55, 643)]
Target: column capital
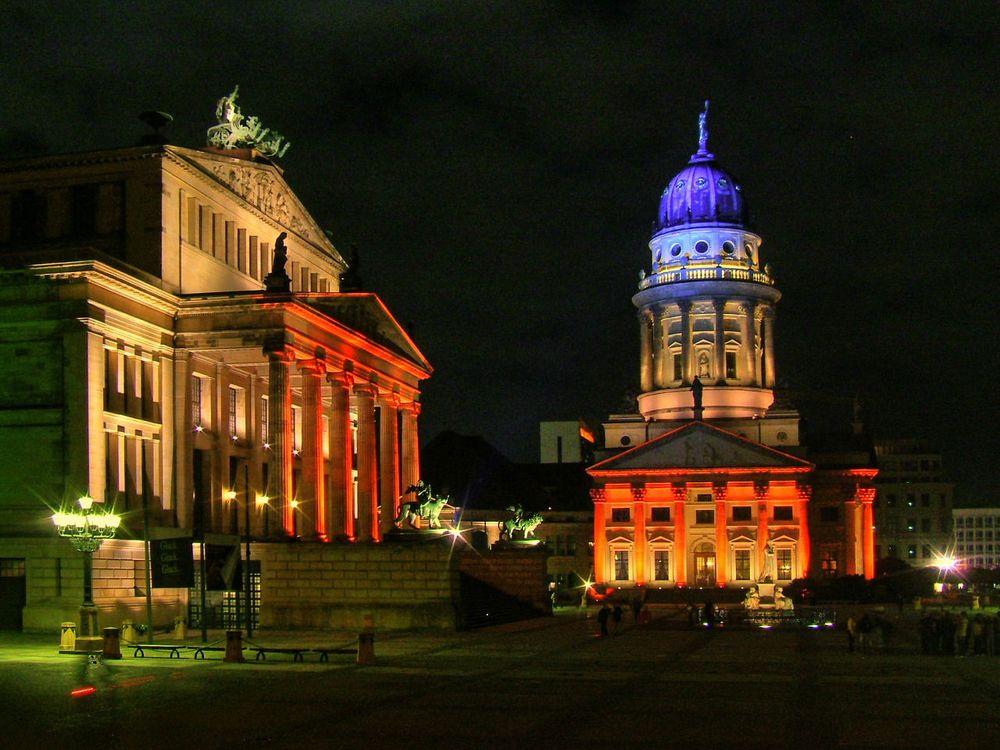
[(804, 491), (598, 495), (283, 354), (719, 303), (679, 492), (719, 491), (638, 493), (391, 399), (343, 378), (760, 490), (684, 305), (314, 366), (865, 495), (365, 388), (414, 407)]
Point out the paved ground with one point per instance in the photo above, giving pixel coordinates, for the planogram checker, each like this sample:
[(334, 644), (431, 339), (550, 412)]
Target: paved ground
[(549, 683)]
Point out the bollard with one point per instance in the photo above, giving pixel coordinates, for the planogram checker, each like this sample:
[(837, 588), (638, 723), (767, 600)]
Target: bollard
[(366, 648), (234, 646), (180, 628), (67, 640), (129, 633), (112, 644)]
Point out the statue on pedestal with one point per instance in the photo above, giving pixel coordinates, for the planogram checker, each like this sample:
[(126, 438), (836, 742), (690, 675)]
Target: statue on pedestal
[(519, 522), (426, 507)]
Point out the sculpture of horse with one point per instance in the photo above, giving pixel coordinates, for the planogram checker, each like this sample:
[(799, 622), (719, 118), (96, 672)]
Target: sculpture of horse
[(525, 524), (426, 506)]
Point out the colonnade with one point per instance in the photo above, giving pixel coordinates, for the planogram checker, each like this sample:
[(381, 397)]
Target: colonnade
[(756, 327)]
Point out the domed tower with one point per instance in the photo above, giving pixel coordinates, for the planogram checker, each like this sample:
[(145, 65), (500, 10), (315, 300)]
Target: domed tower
[(706, 309)]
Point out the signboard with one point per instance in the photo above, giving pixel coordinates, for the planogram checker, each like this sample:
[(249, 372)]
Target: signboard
[(223, 570), (172, 563)]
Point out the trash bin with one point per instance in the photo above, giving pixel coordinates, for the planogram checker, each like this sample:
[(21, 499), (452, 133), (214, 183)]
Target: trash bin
[(234, 646), (180, 628), (67, 640), (112, 644)]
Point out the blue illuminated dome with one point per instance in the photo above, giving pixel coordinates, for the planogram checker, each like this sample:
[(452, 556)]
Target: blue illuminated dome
[(701, 193)]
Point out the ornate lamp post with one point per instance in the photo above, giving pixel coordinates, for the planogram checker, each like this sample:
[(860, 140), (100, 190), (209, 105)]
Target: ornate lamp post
[(86, 531)]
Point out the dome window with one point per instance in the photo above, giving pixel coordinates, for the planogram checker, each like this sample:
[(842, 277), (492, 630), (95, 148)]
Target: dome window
[(675, 250), (701, 246), (626, 440), (700, 183), (723, 183), (679, 185), (728, 248)]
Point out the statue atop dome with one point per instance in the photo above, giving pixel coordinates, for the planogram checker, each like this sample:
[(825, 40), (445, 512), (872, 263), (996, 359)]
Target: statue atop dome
[(703, 130)]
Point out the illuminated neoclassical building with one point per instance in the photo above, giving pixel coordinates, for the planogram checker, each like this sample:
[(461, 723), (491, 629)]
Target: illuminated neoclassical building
[(709, 483), (148, 359)]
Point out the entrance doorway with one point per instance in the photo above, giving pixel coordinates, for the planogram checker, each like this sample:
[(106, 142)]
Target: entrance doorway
[(704, 565), (13, 593)]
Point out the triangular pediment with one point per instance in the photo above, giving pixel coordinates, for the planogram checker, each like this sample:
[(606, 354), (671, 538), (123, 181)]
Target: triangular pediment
[(365, 313), (699, 447), (260, 185)]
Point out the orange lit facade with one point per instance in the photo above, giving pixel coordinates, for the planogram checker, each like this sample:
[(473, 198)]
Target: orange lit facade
[(710, 484), (146, 363)]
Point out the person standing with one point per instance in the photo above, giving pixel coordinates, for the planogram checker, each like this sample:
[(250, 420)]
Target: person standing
[(602, 618), (616, 615)]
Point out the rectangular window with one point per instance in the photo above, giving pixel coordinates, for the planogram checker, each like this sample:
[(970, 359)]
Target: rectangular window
[(741, 560), (234, 395), (911, 499), (890, 500), (829, 514), (829, 565), (661, 565), (731, 365), (678, 367), (925, 551), (264, 420), (742, 513), (704, 516), (621, 565), (660, 515), (296, 428), (911, 524), (620, 515), (911, 551), (703, 497), (925, 525), (196, 405), (783, 561), (782, 512), (925, 500)]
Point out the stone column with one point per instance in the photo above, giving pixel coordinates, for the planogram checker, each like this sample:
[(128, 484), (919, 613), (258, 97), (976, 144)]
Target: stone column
[(768, 375), (411, 446), (311, 494), (719, 491), (867, 497), (340, 497), (600, 535), (367, 526), (687, 350), (639, 528), (280, 434), (650, 352), (680, 534), (748, 350), (184, 431), (805, 540), (760, 491), (388, 462), (720, 342)]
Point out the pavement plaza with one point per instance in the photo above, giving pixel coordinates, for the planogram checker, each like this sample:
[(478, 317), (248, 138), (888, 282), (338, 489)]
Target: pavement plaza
[(545, 683)]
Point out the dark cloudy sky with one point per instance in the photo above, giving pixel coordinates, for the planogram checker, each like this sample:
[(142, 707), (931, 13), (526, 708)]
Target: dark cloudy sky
[(498, 165)]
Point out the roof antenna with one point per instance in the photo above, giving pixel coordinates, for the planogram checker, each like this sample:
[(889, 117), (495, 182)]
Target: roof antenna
[(703, 131)]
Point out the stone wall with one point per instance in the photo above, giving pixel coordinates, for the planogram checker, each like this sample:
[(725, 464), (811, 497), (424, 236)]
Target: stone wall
[(337, 585)]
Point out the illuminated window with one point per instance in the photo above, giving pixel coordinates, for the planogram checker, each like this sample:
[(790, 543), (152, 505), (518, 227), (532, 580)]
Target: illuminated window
[(730, 365), (829, 564), (911, 551), (660, 515), (782, 512), (234, 395), (783, 561), (704, 516), (620, 515), (911, 524), (661, 565), (196, 404), (742, 513), (678, 366), (264, 420), (741, 560), (621, 565)]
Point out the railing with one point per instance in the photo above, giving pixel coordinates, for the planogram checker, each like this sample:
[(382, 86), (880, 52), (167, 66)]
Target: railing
[(706, 273)]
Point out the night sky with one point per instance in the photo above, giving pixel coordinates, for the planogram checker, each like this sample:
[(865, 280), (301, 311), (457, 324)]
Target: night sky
[(498, 166)]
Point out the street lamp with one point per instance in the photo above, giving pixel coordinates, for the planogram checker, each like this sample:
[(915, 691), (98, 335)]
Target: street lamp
[(86, 531)]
